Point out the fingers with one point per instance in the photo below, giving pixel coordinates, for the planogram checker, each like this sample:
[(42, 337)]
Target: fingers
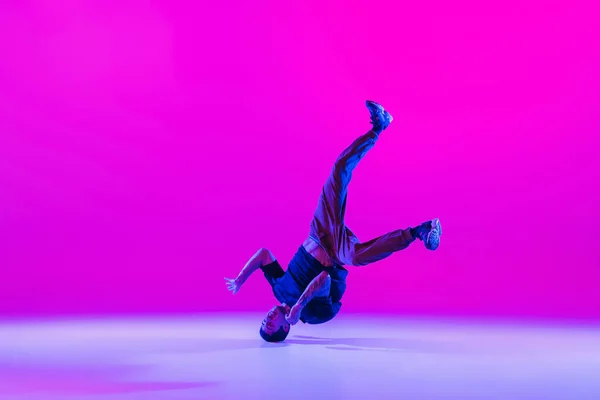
[(292, 318), (231, 285)]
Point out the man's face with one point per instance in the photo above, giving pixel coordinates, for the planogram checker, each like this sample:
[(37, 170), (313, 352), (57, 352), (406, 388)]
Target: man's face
[(275, 320)]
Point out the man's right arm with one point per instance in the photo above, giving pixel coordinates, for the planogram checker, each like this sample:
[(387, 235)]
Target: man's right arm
[(261, 258)]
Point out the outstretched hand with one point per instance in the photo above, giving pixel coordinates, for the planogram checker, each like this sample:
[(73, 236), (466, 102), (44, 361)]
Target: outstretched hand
[(232, 285), (293, 316)]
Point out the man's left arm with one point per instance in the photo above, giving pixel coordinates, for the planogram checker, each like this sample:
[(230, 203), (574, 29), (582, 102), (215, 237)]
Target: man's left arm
[(320, 283)]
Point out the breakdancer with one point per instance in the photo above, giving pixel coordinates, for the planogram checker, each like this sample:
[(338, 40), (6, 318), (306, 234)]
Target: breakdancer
[(312, 287)]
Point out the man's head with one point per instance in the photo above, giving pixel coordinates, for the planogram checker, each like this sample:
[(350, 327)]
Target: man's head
[(274, 327)]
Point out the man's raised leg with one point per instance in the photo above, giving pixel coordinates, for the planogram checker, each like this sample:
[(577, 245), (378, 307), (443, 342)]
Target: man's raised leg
[(327, 226)]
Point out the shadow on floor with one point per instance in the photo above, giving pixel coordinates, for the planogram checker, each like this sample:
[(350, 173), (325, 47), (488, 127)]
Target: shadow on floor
[(377, 344)]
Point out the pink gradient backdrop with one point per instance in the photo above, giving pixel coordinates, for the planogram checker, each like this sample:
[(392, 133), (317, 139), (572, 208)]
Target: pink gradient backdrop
[(147, 149)]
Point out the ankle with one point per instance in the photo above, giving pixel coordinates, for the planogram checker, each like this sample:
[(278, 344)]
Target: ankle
[(419, 232), (415, 233)]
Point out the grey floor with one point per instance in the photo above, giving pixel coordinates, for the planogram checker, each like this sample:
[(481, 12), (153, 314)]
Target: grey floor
[(353, 357)]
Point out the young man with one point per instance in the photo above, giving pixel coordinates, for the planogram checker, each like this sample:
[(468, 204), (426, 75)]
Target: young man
[(315, 280)]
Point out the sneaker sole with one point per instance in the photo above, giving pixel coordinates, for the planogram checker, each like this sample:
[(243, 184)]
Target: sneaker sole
[(433, 238), (437, 225)]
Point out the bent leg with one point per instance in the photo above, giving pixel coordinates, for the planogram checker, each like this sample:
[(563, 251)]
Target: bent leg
[(355, 253), (358, 254)]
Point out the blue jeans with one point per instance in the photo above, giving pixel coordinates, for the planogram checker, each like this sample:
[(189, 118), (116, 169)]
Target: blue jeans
[(327, 226)]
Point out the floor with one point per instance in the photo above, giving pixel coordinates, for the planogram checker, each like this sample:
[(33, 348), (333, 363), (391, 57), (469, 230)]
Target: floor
[(353, 357)]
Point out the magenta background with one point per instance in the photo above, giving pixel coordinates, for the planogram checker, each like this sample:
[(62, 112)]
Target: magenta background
[(147, 150)]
